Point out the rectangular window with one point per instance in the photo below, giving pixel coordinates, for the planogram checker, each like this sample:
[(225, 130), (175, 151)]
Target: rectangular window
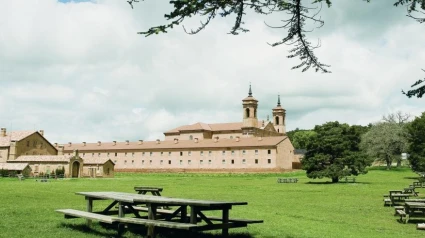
[(98, 154), (169, 162), (116, 154), (181, 153), (132, 162), (84, 154), (150, 153), (243, 161), (125, 161), (36, 169), (28, 143), (143, 153), (269, 161), (256, 161), (150, 161), (162, 153), (201, 161), (189, 162), (209, 161), (143, 162), (125, 154), (202, 153), (223, 161), (160, 162), (223, 152), (256, 152), (115, 161), (233, 161), (233, 152), (189, 153), (209, 153), (181, 162), (108, 154), (132, 154), (92, 154), (243, 152), (269, 152), (169, 153)]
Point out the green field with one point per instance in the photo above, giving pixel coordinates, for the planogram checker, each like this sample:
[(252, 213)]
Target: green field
[(309, 208)]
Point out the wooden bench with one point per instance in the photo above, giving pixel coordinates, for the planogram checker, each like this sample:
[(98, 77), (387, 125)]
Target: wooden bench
[(287, 180), (71, 213), (401, 213), (420, 226), (349, 179), (20, 177), (396, 208), (387, 201)]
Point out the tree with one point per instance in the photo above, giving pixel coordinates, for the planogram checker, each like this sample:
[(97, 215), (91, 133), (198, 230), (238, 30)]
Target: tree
[(334, 152), (298, 15), (416, 139), (385, 141)]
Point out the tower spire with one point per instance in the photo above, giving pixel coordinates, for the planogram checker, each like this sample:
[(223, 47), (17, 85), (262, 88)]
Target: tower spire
[(250, 91), (278, 100)]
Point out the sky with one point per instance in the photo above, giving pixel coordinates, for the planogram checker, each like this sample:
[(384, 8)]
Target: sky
[(79, 71)]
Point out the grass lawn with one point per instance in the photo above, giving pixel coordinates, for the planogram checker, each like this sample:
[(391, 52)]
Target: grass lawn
[(309, 208)]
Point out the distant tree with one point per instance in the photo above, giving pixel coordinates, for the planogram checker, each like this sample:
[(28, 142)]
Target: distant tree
[(301, 138), (416, 138), (299, 16), (334, 152), (385, 141)]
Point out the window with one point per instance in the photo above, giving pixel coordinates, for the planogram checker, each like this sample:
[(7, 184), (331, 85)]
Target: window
[(143, 153), (202, 153), (233, 161), (169, 162), (189, 153), (269, 161), (181, 162), (34, 143), (98, 154), (150, 161), (132, 162), (223, 161), (201, 161), (162, 153), (256, 161), (233, 152), (108, 154), (269, 152), (28, 143), (92, 154), (243, 152), (190, 137), (209, 153), (243, 161), (209, 161), (150, 153), (189, 162), (160, 162), (116, 154), (84, 154), (132, 154), (125, 154), (223, 152), (143, 162), (256, 152), (115, 161), (181, 153), (125, 161), (36, 169), (169, 153), (231, 137)]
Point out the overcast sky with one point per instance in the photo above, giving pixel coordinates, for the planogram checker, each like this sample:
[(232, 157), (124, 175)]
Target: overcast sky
[(79, 71)]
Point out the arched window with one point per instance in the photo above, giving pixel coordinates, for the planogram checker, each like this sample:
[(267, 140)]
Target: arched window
[(277, 120), (190, 137), (247, 112)]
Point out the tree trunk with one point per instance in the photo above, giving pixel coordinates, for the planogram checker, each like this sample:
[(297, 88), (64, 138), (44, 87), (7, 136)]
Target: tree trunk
[(389, 161), (399, 163), (335, 179)]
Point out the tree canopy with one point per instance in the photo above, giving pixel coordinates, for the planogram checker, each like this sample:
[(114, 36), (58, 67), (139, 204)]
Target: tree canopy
[(297, 14), (416, 139), (300, 138), (334, 152)]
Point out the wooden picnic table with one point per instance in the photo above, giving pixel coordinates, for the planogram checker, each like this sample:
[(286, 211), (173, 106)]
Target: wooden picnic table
[(178, 219), (413, 209), (410, 190), (156, 191), (398, 198)]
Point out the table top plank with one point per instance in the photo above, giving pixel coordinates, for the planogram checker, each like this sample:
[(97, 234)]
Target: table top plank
[(138, 198)]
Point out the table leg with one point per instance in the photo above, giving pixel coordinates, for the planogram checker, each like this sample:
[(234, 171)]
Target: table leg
[(151, 216), (225, 231), (193, 215), (89, 208), (183, 214)]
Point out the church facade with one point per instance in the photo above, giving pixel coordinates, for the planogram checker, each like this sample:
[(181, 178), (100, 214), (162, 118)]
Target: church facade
[(247, 146)]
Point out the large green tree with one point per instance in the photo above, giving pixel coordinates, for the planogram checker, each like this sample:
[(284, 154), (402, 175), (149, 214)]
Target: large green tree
[(385, 141), (334, 152), (300, 138), (416, 138), (297, 15)]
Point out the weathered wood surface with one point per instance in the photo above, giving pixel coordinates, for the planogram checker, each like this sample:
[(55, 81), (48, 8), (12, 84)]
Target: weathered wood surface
[(157, 223), (287, 180), (71, 213), (420, 226), (148, 189), (159, 200)]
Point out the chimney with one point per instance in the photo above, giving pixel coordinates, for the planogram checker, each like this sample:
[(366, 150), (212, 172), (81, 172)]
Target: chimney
[(216, 139), (3, 132), (84, 143), (60, 150), (99, 143), (157, 141), (56, 144), (69, 144), (176, 140), (196, 140), (76, 153), (260, 138), (41, 132), (263, 123), (237, 138), (114, 142), (140, 142), (127, 142)]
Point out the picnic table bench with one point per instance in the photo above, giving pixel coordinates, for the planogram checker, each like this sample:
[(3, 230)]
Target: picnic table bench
[(128, 203), (410, 190), (20, 177), (287, 180), (418, 184), (349, 179), (156, 191), (412, 209)]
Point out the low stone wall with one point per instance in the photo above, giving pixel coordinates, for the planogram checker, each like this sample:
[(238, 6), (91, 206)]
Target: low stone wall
[(203, 170)]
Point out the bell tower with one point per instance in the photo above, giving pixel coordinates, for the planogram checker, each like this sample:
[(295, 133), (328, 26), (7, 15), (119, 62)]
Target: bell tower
[(279, 115), (250, 121)]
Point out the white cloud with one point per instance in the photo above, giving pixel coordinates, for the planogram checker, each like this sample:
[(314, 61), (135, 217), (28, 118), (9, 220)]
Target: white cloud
[(80, 72)]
